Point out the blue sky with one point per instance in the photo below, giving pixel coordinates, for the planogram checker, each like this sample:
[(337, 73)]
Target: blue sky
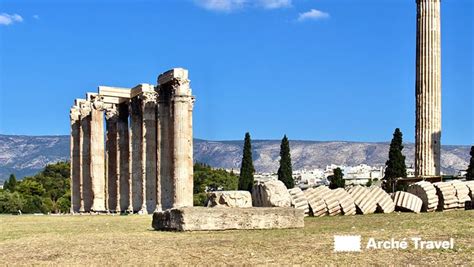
[(311, 69)]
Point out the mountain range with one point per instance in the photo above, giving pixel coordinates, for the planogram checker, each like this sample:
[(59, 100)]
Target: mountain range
[(26, 155)]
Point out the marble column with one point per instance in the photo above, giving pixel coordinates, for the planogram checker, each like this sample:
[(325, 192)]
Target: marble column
[(112, 159), (136, 141), (175, 94), (428, 89), (149, 150), (75, 159), (124, 157), (97, 156), (85, 142)]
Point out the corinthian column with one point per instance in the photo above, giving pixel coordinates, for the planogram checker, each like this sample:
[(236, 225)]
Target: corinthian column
[(176, 104), (136, 153), (85, 143), (97, 160), (428, 89), (113, 201), (75, 160), (124, 156), (149, 150)]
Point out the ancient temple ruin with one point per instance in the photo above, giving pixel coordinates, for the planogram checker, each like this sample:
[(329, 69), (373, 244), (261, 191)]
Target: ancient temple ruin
[(132, 148)]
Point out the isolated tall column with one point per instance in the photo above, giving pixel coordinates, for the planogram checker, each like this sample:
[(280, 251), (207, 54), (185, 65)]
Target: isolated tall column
[(97, 156), (428, 89)]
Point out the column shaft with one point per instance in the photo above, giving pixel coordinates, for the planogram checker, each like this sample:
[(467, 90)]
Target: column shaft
[(75, 161), (97, 160)]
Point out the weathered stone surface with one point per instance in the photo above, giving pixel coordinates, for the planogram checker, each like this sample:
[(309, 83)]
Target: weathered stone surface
[(446, 195), (427, 193), (271, 193), (299, 200), (383, 200), (316, 203), (428, 89), (462, 193), (331, 200), (407, 202), (346, 202), (205, 219), (470, 186), (365, 202), (241, 199)]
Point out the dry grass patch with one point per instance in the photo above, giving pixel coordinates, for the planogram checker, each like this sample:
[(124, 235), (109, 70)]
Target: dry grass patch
[(130, 240)]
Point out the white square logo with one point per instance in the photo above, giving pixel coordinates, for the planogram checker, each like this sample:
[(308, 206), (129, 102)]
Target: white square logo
[(347, 243)]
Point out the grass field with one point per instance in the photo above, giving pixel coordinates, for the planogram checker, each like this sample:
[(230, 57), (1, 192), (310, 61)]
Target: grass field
[(98, 240)]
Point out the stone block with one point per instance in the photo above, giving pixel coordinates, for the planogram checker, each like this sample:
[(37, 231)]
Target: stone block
[(316, 203), (365, 201), (271, 193), (241, 199), (211, 219), (446, 195), (345, 201), (383, 200)]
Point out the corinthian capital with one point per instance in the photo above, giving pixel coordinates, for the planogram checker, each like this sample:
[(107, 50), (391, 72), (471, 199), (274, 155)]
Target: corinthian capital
[(111, 112), (85, 109), (97, 102), (74, 115), (149, 97)]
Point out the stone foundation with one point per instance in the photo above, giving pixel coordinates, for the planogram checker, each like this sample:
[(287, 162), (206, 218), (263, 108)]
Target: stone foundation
[(209, 219)]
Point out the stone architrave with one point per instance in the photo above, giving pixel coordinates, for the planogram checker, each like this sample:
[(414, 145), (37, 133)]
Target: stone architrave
[(75, 159), (428, 89)]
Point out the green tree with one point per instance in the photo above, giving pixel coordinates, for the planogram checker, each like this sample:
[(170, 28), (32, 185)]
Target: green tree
[(30, 187), (10, 185), (11, 202), (395, 165), (285, 171), (337, 179), (470, 168), (246, 169), (208, 179)]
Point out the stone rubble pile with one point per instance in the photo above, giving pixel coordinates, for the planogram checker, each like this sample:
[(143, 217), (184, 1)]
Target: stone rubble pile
[(405, 201), (427, 193), (241, 199), (321, 201)]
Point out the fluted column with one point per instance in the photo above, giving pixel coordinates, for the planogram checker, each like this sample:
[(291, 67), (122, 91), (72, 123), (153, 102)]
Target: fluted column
[(97, 160), (149, 151), (428, 89), (112, 160), (136, 140), (85, 173), (75, 160), (175, 93), (124, 157)]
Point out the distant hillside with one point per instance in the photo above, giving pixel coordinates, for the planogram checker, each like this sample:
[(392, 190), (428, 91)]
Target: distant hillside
[(26, 155)]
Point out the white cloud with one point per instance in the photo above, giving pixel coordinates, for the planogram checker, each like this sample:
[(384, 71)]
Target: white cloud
[(36, 16), (274, 4), (231, 5), (7, 19), (221, 5), (313, 14)]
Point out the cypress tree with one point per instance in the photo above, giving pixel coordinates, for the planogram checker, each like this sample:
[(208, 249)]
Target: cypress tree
[(10, 185), (285, 172), (337, 179), (470, 168), (246, 169), (395, 165)]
